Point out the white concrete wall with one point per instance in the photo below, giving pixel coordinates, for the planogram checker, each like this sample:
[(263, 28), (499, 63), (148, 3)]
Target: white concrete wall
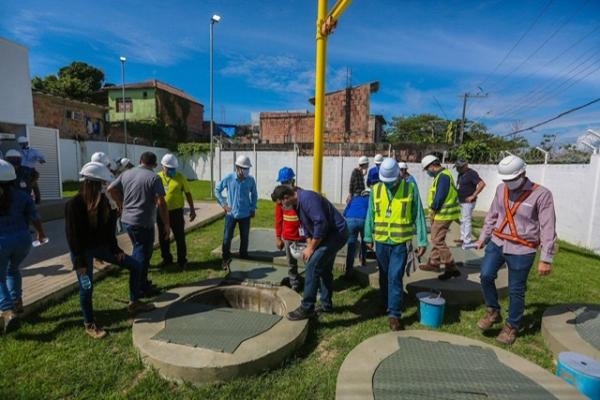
[(575, 186), (16, 104)]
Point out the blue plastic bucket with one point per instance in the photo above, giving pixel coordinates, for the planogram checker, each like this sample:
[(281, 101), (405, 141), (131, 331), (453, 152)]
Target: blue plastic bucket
[(580, 371), (431, 309)]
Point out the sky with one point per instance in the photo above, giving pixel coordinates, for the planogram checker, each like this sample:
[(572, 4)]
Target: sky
[(532, 59)]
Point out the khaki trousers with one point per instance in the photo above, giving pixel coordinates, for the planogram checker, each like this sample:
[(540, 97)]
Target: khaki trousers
[(440, 253)]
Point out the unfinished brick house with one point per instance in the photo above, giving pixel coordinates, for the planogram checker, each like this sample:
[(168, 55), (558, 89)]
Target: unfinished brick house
[(347, 120)]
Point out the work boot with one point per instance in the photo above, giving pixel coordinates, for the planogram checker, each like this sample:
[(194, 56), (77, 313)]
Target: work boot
[(491, 318), (323, 310), (507, 335), (430, 267), (136, 307), (395, 324), (451, 271), (300, 313), (226, 264), (183, 265), (165, 263), (94, 330), (150, 291), (19, 306), (11, 321)]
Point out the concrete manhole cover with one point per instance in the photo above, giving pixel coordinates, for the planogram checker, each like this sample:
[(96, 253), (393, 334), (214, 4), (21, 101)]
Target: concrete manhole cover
[(573, 327)]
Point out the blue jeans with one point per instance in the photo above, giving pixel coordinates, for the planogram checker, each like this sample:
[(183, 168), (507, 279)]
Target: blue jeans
[(142, 240), (230, 223), (392, 262), (13, 251), (356, 226), (518, 271), (318, 272), (103, 253)]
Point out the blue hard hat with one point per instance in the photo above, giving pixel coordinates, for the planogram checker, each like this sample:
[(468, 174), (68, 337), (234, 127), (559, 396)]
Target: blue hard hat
[(286, 174)]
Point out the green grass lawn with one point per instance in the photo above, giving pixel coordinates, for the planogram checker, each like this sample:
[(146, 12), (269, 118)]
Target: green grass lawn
[(200, 189), (50, 357)]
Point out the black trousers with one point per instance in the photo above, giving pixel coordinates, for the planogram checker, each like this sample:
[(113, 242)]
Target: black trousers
[(177, 227)]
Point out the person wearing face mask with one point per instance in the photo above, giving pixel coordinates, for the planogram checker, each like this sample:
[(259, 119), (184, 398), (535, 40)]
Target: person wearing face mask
[(177, 191), (357, 179), (239, 206), (326, 233), (443, 209), (521, 219), (394, 215), (14, 158), (90, 225), (30, 158), (287, 229)]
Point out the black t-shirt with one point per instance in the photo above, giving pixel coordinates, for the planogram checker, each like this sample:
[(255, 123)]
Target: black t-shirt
[(467, 183)]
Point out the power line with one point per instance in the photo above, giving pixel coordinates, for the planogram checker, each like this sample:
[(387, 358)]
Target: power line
[(572, 110), (440, 106), (535, 21)]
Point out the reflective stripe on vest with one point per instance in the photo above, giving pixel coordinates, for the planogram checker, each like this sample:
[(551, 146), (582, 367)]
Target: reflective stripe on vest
[(393, 219), (509, 219), (450, 210)]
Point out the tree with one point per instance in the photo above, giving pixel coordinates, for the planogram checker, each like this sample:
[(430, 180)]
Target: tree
[(421, 128), (79, 81)]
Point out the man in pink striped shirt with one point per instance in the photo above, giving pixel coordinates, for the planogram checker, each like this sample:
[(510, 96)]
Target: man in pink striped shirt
[(521, 219)]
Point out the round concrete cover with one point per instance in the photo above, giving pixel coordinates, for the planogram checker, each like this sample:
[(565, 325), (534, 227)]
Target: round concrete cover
[(199, 365), (356, 376), (573, 327)]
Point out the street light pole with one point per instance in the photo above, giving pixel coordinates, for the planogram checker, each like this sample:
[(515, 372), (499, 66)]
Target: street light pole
[(123, 59), (214, 20)]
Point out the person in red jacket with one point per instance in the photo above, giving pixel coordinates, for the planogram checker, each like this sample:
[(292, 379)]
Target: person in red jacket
[(287, 229)]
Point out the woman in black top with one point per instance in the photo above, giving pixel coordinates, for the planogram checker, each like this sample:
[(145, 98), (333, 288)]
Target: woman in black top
[(90, 228)]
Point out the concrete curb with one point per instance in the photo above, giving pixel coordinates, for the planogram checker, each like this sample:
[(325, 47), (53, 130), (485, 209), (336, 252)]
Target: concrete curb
[(355, 378)]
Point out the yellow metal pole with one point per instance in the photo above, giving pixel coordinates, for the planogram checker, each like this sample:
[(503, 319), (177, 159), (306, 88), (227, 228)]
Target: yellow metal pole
[(319, 97)]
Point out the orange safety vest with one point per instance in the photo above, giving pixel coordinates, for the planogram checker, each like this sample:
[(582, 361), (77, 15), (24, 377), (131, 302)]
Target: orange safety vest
[(509, 219)]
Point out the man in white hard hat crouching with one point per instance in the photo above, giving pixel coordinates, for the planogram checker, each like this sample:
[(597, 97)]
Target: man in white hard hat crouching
[(177, 191), (521, 219), (394, 214), (239, 206)]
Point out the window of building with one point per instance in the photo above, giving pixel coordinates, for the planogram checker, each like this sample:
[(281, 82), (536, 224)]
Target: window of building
[(128, 105), (74, 115)]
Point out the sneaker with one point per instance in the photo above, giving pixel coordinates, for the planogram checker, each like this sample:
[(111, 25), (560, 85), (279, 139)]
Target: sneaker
[(395, 324), (227, 265), (136, 307), (507, 335), (430, 267), (94, 330), (449, 273), (323, 310), (165, 263), (491, 318), (300, 313), (182, 265), (150, 291), (11, 321), (19, 306)]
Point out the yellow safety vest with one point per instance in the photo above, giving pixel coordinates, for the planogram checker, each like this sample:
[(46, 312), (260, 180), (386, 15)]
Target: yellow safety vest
[(393, 219), (450, 210)]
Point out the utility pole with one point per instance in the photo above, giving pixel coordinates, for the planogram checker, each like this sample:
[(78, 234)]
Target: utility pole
[(464, 113)]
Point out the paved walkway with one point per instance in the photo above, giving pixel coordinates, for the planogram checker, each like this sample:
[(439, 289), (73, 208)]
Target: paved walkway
[(47, 270)]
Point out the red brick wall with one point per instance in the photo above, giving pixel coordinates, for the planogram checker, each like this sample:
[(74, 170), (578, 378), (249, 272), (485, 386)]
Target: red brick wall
[(282, 127), (50, 111), (194, 119)]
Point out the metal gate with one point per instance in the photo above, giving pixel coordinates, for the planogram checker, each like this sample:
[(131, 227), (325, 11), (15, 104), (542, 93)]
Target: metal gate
[(46, 141)]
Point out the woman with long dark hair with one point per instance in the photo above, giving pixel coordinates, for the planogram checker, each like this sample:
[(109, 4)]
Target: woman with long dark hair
[(90, 227), (16, 212)]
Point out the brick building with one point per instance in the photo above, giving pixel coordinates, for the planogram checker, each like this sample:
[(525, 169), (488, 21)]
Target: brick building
[(347, 120), (74, 119)]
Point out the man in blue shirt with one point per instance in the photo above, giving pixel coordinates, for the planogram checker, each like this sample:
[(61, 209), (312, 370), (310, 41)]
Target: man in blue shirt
[(326, 233), (373, 174), (239, 206), (29, 159)]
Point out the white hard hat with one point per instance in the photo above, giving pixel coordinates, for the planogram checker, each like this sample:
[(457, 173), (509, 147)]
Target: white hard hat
[(7, 172), (428, 160), (125, 161), (511, 167), (169, 161), (402, 165), (363, 160), (100, 157), (243, 162), (389, 171), (22, 140), (378, 159), (296, 250), (13, 153), (96, 171)]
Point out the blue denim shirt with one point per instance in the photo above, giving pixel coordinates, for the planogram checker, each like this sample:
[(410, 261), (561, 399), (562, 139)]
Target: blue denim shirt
[(20, 213), (241, 195)]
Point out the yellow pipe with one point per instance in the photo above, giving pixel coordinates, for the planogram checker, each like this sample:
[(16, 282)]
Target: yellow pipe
[(339, 8), (319, 98)]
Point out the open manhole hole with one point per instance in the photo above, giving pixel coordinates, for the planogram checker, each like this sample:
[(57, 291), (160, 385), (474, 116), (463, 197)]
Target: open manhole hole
[(212, 333)]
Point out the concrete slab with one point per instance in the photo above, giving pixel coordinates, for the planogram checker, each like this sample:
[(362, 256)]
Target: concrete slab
[(200, 366), (47, 270), (559, 329), (258, 272), (261, 245), (355, 378)]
